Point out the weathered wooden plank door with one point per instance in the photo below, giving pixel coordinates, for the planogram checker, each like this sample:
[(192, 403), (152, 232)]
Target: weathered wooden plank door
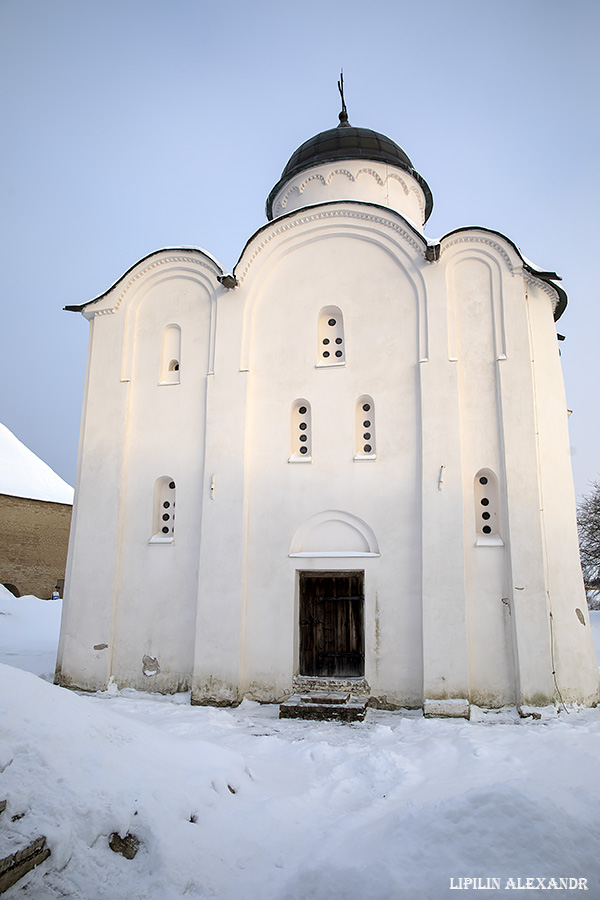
[(332, 640)]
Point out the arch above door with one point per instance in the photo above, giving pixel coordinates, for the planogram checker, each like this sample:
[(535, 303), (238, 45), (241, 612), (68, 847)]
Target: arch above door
[(334, 533)]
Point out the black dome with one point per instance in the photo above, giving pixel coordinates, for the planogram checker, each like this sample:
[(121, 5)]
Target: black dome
[(347, 142)]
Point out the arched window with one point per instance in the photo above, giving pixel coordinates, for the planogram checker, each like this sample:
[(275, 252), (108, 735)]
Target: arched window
[(300, 432), (170, 355), (364, 428), (487, 507), (163, 517), (331, 350)]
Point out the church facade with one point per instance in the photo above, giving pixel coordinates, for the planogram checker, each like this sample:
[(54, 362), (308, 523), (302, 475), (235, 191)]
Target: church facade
[(345, 463)]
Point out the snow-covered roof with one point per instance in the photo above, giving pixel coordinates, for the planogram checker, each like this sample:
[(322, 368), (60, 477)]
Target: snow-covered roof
[(23, 474)]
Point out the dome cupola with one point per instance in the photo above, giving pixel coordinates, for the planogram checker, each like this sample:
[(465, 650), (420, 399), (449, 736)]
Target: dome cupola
[(349, 163)]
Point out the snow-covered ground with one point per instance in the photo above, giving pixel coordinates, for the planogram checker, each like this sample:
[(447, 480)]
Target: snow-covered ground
[(237, 804), (29, 631)]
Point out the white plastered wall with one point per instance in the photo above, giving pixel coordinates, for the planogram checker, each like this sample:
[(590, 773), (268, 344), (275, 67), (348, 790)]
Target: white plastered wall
[(536, 576), (90, 577), (372, 274), (461, 361), (222, 571), (155, 605), (574, 658), (127, 598), (477, 348)]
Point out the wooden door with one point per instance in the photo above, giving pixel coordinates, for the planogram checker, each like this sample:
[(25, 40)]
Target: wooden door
[(332, 624)]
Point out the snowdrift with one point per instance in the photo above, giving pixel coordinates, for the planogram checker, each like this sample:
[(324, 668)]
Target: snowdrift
[(235, 803)]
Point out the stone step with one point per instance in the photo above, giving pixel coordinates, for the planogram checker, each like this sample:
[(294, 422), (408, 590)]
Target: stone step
[(323, 707), (307, 684), (325, 698)]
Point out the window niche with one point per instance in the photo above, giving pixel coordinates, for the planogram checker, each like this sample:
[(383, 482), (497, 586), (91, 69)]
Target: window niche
[(300, 432), (163, 517), (331, 350), (487, 509), (170, 355), (364, 428)]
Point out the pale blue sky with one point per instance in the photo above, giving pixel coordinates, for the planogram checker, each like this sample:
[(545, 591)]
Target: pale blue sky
[(131, 125)]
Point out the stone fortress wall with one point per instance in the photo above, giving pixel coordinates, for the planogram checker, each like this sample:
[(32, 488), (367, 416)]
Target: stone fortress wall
[(34, 536)]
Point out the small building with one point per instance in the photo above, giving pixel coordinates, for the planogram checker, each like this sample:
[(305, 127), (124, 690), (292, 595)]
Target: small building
[(344, 463), (35, 517)]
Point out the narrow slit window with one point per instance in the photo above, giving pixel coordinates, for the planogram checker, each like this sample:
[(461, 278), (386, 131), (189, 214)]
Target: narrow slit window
[(300, 432), (364, 428), (331, 349), (170, 355), (487, 507), (163, 516)]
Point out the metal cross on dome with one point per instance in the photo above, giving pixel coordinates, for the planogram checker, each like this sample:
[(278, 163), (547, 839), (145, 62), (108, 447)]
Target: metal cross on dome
[(343, 117)]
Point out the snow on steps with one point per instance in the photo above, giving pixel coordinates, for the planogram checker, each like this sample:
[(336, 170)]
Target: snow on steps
[(324, 706)]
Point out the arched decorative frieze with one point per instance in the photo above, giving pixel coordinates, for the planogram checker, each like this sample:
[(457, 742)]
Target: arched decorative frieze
[(156, 264), (393, 238), (473, 238), (334, 533), (543, 286), (374, 175), (516, 267), (282, 205), (322, 215), (316, 176), (349, 175), (299, 188), (394, 176)]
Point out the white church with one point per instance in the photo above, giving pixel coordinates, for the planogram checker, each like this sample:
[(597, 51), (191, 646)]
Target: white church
[(344, 464)]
